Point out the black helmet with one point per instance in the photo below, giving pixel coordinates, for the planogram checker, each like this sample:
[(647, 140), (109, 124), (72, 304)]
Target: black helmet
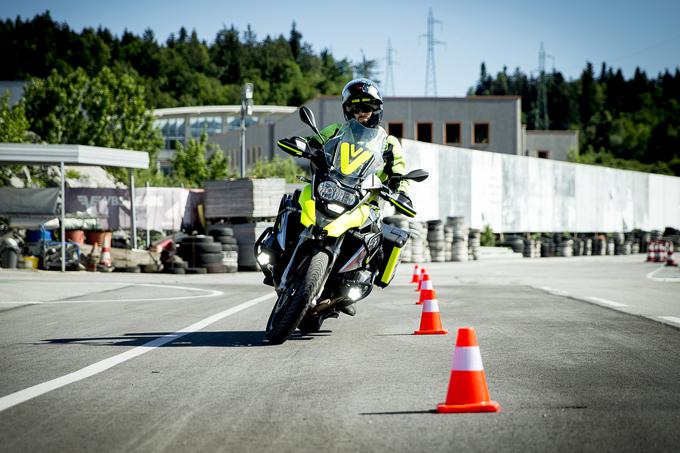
[(362, 92)]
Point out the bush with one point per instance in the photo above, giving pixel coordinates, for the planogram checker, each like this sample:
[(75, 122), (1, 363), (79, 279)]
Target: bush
[(487, 239), (279, 167)]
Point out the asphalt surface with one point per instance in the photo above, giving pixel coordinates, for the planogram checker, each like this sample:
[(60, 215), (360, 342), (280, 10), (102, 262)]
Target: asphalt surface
[(569, 375)]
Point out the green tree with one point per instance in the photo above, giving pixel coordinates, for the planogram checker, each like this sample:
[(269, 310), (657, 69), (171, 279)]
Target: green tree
[(13, 122), (367, 68), (13, 129), (279, 167), (192, 168), (106, 110)]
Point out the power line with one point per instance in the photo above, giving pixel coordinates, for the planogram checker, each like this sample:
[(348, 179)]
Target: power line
[(542, 121), (430, 71), (389, 71)]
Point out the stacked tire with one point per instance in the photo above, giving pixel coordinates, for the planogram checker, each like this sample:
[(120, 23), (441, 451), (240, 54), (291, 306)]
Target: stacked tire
[(565, 247), (588, 246), (459, 246), (418, 242), (202, 254), (175, 265), (474, 243), (224, 235), (532, 248), (548, 248), (435, 240), (599, 245), (579, 247)]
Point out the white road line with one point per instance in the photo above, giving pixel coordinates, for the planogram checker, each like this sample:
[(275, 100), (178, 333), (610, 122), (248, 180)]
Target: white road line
[(661, 279), (599, 300), (671, 319), (210, 293), (556, 292), (32, 392)]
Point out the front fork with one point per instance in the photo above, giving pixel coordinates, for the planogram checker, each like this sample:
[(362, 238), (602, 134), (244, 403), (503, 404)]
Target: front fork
[(332, 249)]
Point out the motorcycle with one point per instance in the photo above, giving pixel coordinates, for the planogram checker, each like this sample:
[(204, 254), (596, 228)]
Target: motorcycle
[(328, 246)]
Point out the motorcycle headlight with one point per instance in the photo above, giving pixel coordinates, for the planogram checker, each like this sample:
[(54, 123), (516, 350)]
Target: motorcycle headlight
[(329, 191)]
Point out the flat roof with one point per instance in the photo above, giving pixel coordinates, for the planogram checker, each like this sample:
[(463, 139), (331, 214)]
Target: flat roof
[(29, 153), (220, 109)]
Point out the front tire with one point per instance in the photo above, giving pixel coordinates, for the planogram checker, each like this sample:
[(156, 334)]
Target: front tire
[(293, 303)]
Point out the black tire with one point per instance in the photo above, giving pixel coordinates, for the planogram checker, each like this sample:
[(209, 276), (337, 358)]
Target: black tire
[(310, 324), (211, 247), (231, 240), (292, 304), (220, 230), (179, 264), (210, 258), (201, 239), (178, 271), (229, 248), (216, 268), (196, 270)]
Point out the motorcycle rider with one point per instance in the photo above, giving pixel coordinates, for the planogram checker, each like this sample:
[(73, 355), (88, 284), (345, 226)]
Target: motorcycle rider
[(362, 100)]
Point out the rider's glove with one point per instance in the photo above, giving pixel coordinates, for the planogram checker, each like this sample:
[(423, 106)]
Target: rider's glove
[(403, 204), (404, 199)]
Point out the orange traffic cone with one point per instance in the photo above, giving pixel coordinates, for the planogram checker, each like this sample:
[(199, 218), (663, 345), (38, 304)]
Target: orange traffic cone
[(426, 289), (467, 386), (105, 260), (420, 280), (670, 260), (92, 258), (663, 246), (415, 278), (430, 322), (650, 252)]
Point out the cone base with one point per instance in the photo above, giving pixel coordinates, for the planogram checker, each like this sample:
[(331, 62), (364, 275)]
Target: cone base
[(431, 332), (484, 406)]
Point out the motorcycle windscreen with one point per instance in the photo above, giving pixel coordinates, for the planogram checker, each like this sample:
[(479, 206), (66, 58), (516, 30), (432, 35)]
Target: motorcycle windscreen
[(355, 152)]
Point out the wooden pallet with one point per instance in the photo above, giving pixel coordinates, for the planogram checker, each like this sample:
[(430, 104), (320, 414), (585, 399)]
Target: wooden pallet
[(243, 198)]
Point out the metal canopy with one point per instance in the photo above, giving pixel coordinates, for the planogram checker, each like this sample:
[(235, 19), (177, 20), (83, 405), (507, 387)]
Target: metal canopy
[(39, 154), (28, 153)]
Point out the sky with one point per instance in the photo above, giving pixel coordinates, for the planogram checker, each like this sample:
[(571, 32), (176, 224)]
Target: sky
[(622, 33)]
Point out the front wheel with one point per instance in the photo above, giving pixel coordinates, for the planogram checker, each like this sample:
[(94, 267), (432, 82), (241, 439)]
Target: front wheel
[(293, 302)]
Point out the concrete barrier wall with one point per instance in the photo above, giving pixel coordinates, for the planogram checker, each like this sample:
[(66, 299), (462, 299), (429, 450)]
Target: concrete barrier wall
[(517, 194)]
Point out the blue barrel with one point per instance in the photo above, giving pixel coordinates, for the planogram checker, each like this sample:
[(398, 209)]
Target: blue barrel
[(38, 235)]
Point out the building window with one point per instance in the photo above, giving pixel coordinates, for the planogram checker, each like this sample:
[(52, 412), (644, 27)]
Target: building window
[(452, 134), (396, 129), (211, 125), (172, 130), (543, 154), (424, 132), (480, 134)]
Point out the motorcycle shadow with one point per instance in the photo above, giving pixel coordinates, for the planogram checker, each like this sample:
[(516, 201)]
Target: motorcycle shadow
[(227, 339)]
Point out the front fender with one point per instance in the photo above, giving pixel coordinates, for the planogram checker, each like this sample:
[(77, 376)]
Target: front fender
[(354, 218)]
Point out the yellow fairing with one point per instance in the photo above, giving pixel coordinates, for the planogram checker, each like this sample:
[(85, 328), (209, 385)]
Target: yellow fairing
[(391, 265), (352, 219), (308, 216)]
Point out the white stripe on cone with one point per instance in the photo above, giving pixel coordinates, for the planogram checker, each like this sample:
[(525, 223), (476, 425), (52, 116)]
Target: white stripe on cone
[(427, 284), (431, 306), (467, 358)]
